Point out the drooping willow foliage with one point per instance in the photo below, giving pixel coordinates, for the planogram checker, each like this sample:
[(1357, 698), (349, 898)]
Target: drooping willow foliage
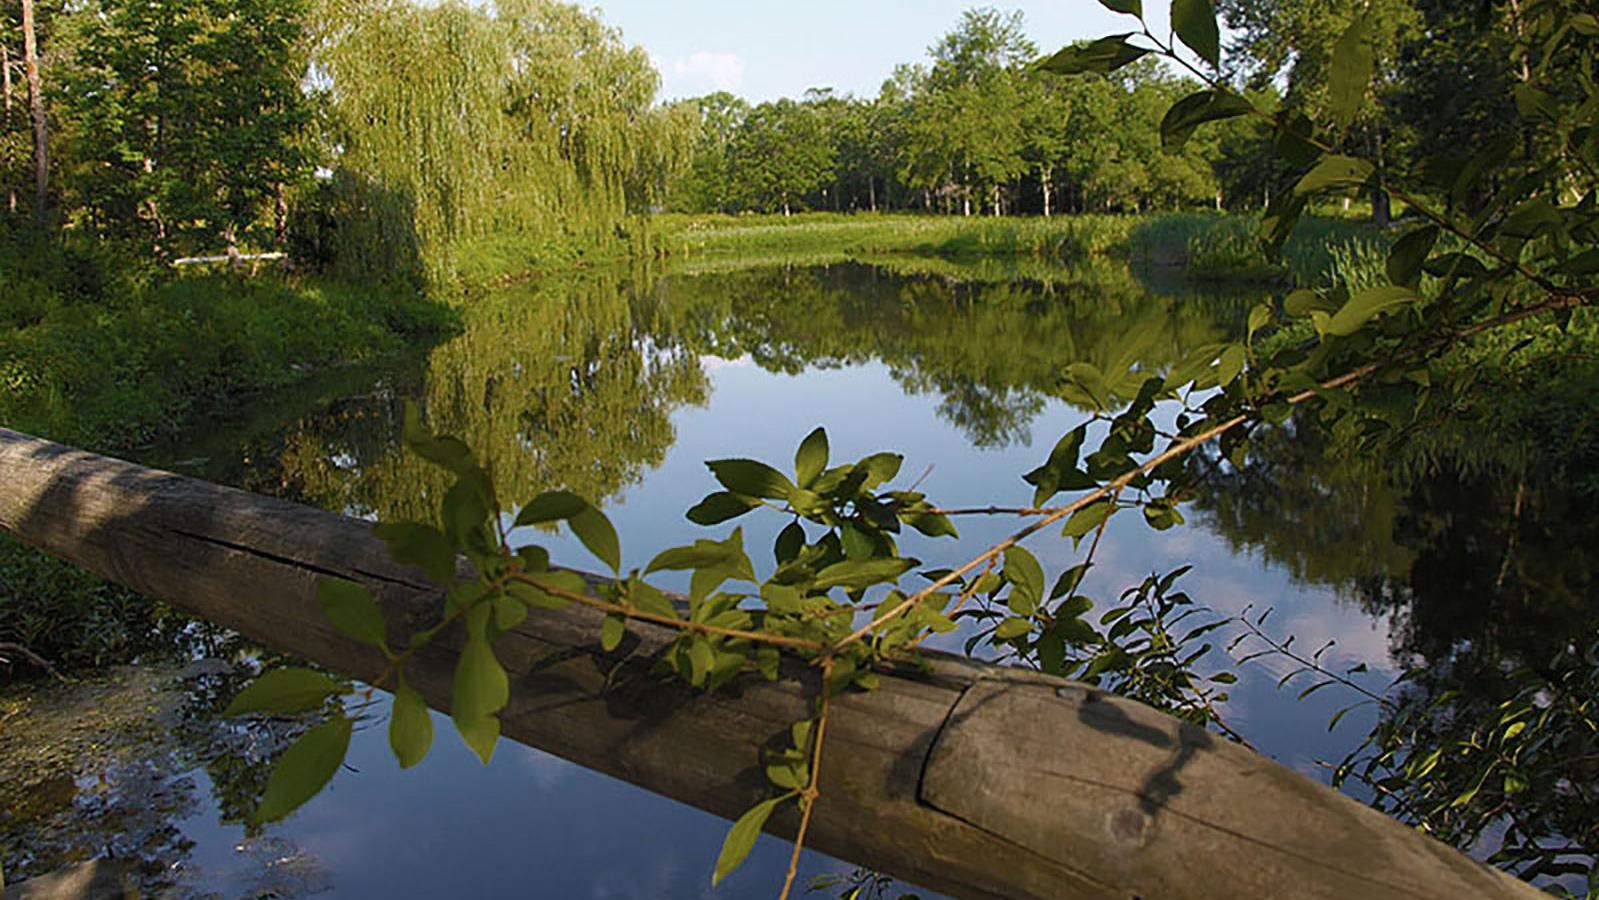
[(528, 120)]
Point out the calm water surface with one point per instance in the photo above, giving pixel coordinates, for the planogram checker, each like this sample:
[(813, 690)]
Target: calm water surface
[(619, 385)]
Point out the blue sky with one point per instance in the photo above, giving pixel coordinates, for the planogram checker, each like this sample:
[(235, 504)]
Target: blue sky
[(763, 50)]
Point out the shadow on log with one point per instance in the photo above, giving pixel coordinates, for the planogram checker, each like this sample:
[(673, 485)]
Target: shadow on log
[(978, 781)]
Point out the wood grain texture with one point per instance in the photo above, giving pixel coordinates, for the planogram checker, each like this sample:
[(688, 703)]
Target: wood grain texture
[(971, 780)]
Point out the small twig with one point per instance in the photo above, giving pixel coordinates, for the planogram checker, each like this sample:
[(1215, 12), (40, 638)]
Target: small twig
[(35, 659), (810, 795), (668, 621)]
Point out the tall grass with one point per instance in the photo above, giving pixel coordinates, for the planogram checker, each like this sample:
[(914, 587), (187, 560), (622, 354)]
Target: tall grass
[(1209, 246), (866, 234)]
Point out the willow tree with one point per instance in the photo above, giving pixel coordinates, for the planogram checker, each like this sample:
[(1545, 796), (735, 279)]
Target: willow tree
[(530, 120)]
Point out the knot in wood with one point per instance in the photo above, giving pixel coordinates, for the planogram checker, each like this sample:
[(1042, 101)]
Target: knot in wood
[(1129, 827)]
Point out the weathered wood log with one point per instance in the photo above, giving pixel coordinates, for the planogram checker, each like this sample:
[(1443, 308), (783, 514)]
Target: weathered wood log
[(972, 780)]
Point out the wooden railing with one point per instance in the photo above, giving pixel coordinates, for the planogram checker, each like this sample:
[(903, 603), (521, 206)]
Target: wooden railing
[(973, 780)]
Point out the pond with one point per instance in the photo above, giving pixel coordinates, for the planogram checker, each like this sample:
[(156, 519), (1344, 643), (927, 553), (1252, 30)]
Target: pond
[(619, 385)]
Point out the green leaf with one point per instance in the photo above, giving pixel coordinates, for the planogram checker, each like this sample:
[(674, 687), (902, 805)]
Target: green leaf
[(751, 478), (551, 506), (1278, 222), (720, 507), (1194, 110), (1060, 471), (481, 733), (1367, 305), (1231, 364), (741, 837), (1086, 520), (1532, 218), (598, 535), (351, 610), (534, 597), (284, 692), (701, 660), (1162, 516), (1534, 105), (1334, 173), (880, 468), (1259, 318), (481, 690), (790, 541), (651, 599), (410, 726), (857, 543), (1410, 253), (1584, 263), (1069, 580), (466, 509), (930, 524), (423, 546), (1128, 7), (1303, 302), (612, 630), (1012, 628), (1195, 24), (1027, 576), (1099, 57), (1349, 74), (304, 769), (702, 554), (811, 458), (855, 575), (508, 612), (790, 774)]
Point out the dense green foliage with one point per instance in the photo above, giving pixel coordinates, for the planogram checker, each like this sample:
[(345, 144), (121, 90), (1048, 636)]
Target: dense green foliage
[(532, 123), (94, 354), (182, 120), (385, 135), (973, 129)]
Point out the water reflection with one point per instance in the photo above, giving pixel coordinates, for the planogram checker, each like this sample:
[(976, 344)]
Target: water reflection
[(1481, 554), (617, 384), (125, 763), (573, 382)]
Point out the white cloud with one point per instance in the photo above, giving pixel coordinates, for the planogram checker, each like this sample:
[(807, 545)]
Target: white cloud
[(710, 71)]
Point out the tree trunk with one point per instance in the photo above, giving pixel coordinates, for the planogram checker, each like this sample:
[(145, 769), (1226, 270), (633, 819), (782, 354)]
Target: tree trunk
[(280, 213), (1382, 214), (871, 190), (998, 210), (41, 133), (5, 75), (1044, 177), (966, 201), (230, 234)]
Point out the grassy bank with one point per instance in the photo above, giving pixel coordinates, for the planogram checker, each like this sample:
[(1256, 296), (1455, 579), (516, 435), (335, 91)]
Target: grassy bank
[(1207, 246), (108, 354)]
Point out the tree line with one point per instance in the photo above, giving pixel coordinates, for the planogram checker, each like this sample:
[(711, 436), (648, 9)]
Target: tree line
[(983, 126)]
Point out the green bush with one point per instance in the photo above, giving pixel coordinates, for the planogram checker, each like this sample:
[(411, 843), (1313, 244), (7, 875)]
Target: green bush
[(142, 356)]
